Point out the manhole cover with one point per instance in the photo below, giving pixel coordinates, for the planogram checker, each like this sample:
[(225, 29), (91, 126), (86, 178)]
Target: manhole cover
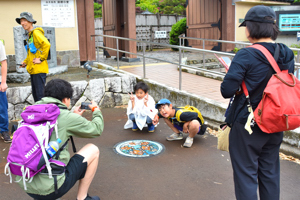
[(138, 148)]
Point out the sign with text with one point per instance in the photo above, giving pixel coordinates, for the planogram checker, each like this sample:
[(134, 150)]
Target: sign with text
[(160, 34), (59, 14)]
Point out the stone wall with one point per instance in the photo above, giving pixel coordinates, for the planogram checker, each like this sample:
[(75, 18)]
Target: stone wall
[(107, 92), (70, 58)]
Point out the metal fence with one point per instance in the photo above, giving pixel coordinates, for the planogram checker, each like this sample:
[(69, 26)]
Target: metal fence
[(181, 49), (182, 38)]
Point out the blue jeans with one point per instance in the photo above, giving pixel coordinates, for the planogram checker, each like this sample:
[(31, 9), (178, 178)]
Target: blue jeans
[(3, 112), (38, 82), (148, 120)]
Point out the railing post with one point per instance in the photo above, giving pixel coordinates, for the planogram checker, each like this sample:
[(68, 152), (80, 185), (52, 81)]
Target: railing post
[(203, 54), (179, 68), (183, 45), (117, 52), (144, 62)]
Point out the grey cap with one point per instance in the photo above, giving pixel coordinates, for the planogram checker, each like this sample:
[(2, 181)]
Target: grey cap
[(258, 14), (27, 16)]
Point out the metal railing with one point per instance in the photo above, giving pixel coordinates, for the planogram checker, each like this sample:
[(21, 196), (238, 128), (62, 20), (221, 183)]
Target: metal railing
[(243, 44), (181, 53)]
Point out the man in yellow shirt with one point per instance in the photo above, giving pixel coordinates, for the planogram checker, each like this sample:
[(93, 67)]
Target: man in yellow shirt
[(37, 48)]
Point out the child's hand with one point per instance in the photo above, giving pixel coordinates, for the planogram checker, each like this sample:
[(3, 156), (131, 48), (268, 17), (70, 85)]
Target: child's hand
[(155, 120), (146, 98), (186, 127), (131, 97)]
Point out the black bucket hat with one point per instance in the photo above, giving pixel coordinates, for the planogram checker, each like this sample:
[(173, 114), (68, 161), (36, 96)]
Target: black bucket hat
[(27, 16), (258, 14)]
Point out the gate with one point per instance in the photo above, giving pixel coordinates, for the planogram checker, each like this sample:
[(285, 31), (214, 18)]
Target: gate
[(203, 21)]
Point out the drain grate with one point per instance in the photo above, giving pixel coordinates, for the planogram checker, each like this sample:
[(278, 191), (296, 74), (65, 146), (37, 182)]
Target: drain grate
[(139, 148)]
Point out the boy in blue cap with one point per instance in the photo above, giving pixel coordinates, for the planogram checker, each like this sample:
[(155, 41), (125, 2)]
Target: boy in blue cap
[(180, 120)]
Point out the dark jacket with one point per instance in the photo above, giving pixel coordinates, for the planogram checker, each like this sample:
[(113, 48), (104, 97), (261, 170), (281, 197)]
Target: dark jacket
[(251, 65)]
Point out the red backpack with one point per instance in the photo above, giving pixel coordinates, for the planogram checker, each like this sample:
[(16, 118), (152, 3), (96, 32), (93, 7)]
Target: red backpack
[(279, 109)]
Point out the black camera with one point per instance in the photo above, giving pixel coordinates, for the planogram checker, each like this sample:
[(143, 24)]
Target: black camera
[(85, 106)]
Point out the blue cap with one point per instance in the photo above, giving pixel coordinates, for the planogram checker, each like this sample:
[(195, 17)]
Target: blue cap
[(162, 102)]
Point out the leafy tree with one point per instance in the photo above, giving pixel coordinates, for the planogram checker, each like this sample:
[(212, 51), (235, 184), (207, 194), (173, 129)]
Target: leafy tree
[(296, 1), (151, 5), (172, 7), (177, 29), (97, 10)]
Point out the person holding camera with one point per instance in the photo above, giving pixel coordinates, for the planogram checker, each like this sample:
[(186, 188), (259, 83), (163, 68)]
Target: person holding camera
[(83, 165)]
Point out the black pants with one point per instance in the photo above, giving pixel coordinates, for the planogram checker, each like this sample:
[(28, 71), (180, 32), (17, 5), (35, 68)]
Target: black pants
[(38, 82), (255, 163)]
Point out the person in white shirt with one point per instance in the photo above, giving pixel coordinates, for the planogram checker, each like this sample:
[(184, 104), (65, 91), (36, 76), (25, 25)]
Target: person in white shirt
[(141, 109), (3, 100)]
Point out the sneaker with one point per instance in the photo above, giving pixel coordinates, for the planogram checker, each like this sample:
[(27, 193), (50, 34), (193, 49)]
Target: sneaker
[(151, 128), (175, 136), (134, 127), (6, 137), (188, 142), (88, 197)]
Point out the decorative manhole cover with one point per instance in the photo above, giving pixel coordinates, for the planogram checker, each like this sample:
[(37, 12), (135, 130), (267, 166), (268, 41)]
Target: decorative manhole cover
[(138, 148)]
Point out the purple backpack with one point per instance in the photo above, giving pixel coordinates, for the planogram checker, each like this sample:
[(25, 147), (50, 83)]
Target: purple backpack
[(27, 155)]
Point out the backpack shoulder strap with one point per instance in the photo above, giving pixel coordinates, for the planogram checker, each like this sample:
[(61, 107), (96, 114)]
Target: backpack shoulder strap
[(272, 60), (71, 137), (268, 55)]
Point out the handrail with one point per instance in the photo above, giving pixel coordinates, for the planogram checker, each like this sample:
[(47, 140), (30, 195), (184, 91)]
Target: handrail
[(182, 36), (181, 52)]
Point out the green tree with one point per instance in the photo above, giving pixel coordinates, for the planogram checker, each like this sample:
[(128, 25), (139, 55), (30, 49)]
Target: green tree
[(97, 10), (177, 29), (296, 1), (172, 7), (151, 5)]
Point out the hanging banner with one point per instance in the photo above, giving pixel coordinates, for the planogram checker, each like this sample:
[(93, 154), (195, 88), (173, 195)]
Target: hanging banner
[(59, 14)]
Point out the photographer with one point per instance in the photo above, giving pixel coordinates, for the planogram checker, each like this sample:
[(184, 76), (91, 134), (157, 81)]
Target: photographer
[(83, 165)]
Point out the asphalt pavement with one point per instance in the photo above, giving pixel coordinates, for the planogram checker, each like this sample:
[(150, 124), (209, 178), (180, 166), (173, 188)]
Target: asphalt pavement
[(198, 173)]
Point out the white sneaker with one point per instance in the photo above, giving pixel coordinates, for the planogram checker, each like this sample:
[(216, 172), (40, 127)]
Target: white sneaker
[(175, 136), (188, 142)]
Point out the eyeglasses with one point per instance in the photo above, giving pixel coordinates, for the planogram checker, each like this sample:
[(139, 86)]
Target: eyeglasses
[(161, 108)]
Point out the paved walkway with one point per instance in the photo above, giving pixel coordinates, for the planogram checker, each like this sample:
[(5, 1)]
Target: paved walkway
[(168, 74)]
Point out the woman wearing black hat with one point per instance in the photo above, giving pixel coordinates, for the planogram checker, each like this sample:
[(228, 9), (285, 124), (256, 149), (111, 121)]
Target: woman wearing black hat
[(255, 157)]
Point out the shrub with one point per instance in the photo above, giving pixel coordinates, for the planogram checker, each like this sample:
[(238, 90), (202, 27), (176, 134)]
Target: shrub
[(177, 29), (295, 46), (235, 50)]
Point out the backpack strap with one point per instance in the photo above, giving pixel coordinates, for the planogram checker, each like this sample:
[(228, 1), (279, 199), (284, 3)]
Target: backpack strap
[(272, 60), (268, 55), (71, 137)]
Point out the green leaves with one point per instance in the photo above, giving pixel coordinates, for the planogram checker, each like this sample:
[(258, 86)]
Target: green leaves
[(177, 29), (97, 10)]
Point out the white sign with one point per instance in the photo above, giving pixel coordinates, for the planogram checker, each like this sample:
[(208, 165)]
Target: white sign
[(59, 14), (160, 34)]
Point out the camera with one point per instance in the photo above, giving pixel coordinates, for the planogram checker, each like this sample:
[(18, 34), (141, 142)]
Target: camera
[(85, 106)]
